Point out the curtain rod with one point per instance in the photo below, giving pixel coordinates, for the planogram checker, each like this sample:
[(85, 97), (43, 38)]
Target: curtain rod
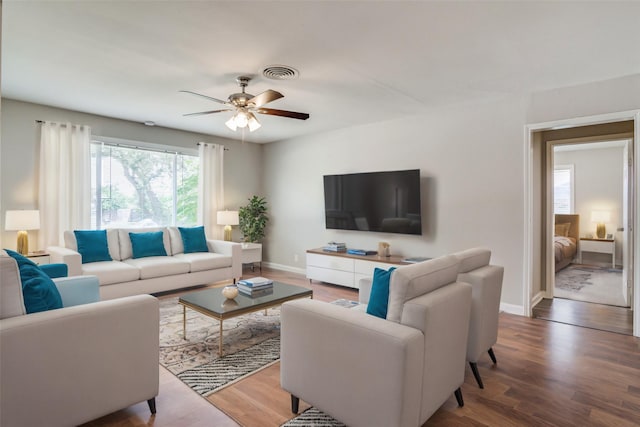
[(64, 124)]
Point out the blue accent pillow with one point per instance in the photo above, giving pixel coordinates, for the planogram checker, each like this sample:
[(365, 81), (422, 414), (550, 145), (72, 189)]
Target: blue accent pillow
[(193, 239), (147, 244), (38, 290), (92, 245), (379, 298), (55, 270)]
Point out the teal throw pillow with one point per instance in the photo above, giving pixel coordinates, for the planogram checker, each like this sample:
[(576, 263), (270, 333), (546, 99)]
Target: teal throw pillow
[(147, 244), (193, 239), (92, 245), (379, 298), (38, 290)]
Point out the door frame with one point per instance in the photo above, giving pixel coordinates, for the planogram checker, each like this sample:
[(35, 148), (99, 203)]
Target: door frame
[(531, 240)]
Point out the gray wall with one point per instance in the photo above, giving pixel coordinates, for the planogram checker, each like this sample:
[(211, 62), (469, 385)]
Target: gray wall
[(471, 162), (20, 136)]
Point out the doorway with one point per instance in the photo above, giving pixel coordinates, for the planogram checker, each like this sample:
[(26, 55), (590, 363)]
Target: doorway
[(539, 261)]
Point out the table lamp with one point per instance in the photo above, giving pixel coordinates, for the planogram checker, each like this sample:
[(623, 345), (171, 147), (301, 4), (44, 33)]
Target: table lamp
[(21, 221), (601, 217), (228, 218)]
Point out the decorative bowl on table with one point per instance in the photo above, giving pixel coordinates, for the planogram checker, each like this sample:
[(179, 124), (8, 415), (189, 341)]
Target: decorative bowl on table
[(230, 292)]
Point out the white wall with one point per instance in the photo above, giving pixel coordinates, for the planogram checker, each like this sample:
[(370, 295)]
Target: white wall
[(20, 136), (471, 161), (598, 178)]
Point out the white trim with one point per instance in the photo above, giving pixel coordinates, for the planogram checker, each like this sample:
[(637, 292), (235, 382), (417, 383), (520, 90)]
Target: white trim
[(528, 195), (285, 268), (538, 297), (512, 309)]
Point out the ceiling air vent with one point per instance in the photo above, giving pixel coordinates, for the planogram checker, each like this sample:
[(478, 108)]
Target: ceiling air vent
[(280, 72)]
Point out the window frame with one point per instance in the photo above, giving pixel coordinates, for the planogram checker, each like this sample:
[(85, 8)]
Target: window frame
[(572, 193)]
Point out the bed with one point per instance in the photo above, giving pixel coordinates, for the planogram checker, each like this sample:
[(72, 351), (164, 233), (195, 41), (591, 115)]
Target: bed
[(565, 239)]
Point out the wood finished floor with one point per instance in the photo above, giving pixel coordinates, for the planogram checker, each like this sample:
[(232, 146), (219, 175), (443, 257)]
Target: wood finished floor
[(548, 374), (589, 315)]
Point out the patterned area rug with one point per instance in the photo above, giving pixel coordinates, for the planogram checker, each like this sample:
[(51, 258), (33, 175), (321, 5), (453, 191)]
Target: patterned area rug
[(590, 283), (313, 417), (250, 342)]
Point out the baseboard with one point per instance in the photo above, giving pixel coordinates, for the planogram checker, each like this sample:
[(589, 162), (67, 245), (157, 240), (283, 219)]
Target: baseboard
[(512, 309), (537, 298), (285, 268)]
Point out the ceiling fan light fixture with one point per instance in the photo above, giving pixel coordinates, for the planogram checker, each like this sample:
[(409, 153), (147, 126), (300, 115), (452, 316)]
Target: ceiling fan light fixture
[(241, 119), (254, 124), (231, 123)]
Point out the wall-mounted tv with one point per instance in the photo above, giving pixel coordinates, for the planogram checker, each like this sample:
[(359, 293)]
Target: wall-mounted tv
[(374, 201)]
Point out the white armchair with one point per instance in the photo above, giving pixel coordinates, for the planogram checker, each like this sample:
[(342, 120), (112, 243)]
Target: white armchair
[(368, 371), (71, 365)]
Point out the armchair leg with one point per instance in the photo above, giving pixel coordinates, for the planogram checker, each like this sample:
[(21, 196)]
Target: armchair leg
[(152, 405), (476, 373), (492, 356), (295, 403), (458, 394)]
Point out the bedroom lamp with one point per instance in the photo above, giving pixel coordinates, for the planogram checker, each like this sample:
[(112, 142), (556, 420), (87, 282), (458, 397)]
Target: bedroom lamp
[(228, 218), (21, 221), (601, 217)]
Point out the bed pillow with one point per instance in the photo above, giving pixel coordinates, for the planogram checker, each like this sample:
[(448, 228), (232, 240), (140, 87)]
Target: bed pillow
[(92, 245), (563, 229), (193, 239), (147, 244)]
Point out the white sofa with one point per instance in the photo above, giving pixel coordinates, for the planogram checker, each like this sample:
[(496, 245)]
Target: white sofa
[(366, 371), (128, 276), (68, 366)]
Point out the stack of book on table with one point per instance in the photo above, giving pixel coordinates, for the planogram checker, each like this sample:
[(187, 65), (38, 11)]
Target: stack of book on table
[(256, 286), (335, 247)]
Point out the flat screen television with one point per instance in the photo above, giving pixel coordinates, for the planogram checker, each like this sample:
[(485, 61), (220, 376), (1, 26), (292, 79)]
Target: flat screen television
[(374, 201)]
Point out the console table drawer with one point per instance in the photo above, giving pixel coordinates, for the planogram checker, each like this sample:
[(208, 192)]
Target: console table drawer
[(344, 278), (366, 267), (331, 262)]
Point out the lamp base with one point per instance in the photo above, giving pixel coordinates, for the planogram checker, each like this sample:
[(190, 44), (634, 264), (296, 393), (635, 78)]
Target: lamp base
[(23, 243), (227, 233), (601, 231)]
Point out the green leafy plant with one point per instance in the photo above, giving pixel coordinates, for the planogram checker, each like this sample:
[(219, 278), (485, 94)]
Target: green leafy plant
[(253, 219)]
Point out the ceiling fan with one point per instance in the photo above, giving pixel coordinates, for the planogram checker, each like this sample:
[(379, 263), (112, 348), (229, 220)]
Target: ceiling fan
[(245, 105)]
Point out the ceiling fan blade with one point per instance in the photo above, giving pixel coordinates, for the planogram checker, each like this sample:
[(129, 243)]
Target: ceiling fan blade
[(265, 97), (202, 113), (283, 113), (205, 96)]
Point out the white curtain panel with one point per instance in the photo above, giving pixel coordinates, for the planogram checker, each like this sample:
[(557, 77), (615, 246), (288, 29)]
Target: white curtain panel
[(210, 187), (65, 181)]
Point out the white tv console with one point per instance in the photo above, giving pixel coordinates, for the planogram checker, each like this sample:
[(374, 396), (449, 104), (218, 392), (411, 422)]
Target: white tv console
[(345, 269)]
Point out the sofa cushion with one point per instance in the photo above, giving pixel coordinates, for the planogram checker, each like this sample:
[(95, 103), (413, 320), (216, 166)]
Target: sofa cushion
[(193, 239), (92, 245), (176, 240), (201, 261), (147, 244), (472, 259), (158, 266), (110, 272), (112, 241), (126, 250), (379, 297), (38, 290), (410, 281)]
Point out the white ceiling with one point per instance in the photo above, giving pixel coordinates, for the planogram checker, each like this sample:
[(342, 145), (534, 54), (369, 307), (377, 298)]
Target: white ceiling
[(359, 61)]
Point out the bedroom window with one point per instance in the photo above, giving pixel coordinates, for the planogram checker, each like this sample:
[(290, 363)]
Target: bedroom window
[(134, 186), (563, 189)]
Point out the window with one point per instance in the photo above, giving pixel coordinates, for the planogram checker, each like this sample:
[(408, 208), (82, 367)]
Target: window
[(563, 189), (142, 187)]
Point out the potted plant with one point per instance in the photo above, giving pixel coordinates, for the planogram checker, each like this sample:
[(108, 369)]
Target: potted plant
[(253, 219)]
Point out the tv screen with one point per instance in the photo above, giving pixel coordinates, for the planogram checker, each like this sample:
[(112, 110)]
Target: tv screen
[(375, 201)]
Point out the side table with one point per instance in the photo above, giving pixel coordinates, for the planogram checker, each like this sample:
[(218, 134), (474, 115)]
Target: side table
[(603, 246), (252, 253), (39, 258)]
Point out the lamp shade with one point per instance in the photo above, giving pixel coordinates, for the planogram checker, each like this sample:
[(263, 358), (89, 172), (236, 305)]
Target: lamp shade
[(228, 218), (600, 216), (22, 220)]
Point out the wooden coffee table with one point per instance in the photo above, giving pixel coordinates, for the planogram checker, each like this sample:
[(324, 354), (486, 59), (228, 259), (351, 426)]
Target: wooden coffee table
[(212, 303)]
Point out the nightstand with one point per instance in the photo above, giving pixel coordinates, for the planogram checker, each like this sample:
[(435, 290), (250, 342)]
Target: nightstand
[(602, 246), (252, 253), (39, 257)]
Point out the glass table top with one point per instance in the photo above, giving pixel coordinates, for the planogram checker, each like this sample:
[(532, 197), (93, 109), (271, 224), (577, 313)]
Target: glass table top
[(214, 302)]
